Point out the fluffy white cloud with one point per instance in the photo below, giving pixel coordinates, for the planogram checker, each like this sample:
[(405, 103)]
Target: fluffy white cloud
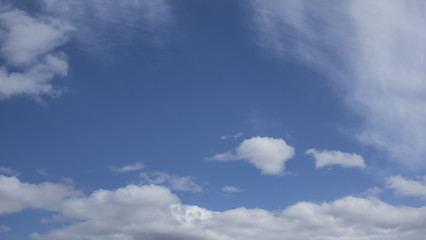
[(16, 195), (265, 153), (128, 168), (326, 158), (231, 189), (185, 184), (28, 46), (406, 187), (373, 51), (154, 212)]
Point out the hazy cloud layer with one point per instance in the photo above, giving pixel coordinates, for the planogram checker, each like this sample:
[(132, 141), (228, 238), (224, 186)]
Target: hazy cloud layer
[(265, 153), (374, 52), (153, 212), (328, 158)]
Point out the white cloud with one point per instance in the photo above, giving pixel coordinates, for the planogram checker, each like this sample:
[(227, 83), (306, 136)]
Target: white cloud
[(9, 171), (235, 136), (28, 47), (231, 189), (406, 187), (128, 168), (265, 153), (153, 212), (16, 195), (185, 184), (326, 158), (374, 51)]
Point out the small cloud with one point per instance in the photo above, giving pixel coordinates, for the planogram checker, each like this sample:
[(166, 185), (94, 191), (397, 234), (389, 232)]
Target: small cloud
[(4, 228), (223, 157), (42, 172), (327, 158), (128, 168), (406, 187), (231, 189), (183, 184), (9, 172), (372, 192), (266, 154), (235, 136)]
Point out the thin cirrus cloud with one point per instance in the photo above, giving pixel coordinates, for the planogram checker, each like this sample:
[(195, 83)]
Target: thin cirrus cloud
[(329, 158), (371, 50), (128, 168), (29, 51), (113, 21), (266, 154), (9, 171), (407, 187), (176, 183), (231, 189), (154, 212)]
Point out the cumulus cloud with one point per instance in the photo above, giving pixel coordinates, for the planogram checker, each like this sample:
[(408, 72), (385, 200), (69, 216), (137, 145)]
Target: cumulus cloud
[(407, 187), (28, 49), (231, 189), (184, 184), (16, 195), (128, 168), (373, 51), (153, 212), (327, 158), (265, 153)]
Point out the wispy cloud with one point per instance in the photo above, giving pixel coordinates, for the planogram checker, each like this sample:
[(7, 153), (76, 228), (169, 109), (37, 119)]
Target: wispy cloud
[(328, 158), (373, 51), (184, 184), (234, 136), (128, 168), (5, 228), (265, 153), (231, 189), (9, 172)]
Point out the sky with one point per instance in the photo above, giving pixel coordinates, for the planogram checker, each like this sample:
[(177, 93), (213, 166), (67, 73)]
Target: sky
[(212, 120)]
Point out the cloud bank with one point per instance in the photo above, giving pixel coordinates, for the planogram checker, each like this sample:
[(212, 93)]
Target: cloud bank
[(328, 158), (266, 154), (373, 52), (154, 212)]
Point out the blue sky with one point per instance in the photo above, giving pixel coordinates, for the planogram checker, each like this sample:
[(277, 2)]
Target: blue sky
[(212, 120)]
